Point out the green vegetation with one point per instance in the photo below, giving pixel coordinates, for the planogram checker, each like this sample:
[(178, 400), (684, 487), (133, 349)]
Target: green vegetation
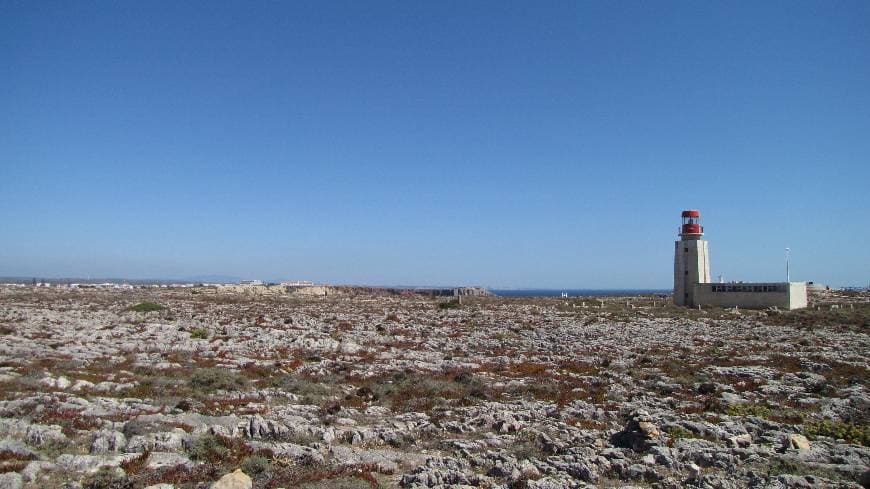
[(107, 478), (311, 392), (747, 409), (852, 433), (781, 466), (528, 445), (198, 333), (679, 433), (451, 304), (256, 464), (212, 379), (208, 448), (345, 482), (146, 307), (852, 316), (412, 391)]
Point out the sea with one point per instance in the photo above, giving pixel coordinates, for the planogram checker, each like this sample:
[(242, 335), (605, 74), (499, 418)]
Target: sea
[(576, 292)]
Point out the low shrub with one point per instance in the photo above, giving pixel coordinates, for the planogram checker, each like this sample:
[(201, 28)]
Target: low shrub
[(528, 445), (198, 333), (208, 448), (256, 464), (747, 409), (451, 304), (212, 379), (146, 307), (781, 466), (852, 433), (679, 433), (311, 392), (107, 478), (136, 465)]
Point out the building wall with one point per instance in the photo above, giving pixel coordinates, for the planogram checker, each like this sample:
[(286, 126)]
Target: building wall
[(691, 266), (752, 295), (797, 295)]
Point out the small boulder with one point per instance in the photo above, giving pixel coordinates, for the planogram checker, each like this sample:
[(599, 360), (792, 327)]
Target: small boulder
[(795, 441), (108, 441), (234, 480), (11, 480), (529, 471), (741, 441), (694, 471), (32, 470)]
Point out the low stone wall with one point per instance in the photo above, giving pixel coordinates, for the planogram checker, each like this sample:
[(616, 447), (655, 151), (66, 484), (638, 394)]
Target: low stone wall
[(310, 290)]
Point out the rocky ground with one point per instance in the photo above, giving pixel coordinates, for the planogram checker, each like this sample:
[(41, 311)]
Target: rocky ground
[(367, 390)]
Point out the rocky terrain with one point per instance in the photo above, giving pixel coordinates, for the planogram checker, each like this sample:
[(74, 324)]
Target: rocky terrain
[(187, 388)]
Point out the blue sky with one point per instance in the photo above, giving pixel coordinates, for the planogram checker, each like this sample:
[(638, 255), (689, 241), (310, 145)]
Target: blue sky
[(506, 144)]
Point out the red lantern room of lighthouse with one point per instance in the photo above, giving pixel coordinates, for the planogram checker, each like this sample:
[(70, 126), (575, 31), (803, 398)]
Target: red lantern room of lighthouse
[(691, 260), (691, 228)]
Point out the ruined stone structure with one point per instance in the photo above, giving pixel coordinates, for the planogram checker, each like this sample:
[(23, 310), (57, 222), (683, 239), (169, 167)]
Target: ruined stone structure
[(693, 287)]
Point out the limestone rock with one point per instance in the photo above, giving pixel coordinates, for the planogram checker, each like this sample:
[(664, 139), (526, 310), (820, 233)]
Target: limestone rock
[(32, 470), (234, 480), (795, 441), (158, 460), (18, 448), (108, 441), (38, 434), (165, 441), (741, 441), (90, 463), (11, 480)]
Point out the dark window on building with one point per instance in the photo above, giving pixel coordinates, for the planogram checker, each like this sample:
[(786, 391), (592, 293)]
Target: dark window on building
[(686, 250)]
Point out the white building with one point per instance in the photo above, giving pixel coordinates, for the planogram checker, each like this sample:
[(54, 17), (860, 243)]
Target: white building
[(693, 287)]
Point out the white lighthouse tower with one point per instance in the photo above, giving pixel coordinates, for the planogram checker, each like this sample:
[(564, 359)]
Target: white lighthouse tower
[(691, 259)]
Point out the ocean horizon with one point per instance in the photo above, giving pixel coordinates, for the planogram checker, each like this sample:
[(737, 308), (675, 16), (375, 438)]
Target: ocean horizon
[(575, 292)]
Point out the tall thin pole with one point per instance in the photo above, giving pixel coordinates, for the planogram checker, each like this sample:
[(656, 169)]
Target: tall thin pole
[(787, 272)]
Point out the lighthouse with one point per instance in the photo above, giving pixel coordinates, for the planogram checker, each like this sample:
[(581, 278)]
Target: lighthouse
[(691, 259)]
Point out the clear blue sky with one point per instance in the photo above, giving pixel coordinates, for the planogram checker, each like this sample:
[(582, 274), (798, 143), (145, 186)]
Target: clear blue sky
[(548, 144)]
